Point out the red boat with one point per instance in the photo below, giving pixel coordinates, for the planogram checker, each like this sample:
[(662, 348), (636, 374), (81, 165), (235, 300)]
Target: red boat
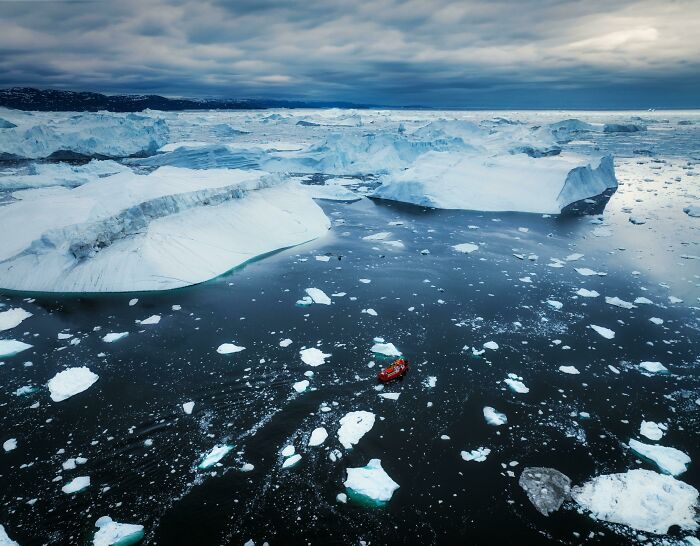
[(397, 369)]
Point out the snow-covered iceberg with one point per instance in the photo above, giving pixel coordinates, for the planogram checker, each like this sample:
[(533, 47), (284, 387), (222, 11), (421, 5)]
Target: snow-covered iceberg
[(87, 134), (499, 183), (641, 499), (111, 533), (168, 229), (370, 483)]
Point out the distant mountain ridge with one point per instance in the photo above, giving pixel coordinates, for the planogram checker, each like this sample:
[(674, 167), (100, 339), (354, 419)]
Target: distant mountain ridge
[(29, 98)]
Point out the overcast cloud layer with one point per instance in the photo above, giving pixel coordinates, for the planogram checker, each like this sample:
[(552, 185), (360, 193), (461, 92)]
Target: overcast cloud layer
[(431, 52)]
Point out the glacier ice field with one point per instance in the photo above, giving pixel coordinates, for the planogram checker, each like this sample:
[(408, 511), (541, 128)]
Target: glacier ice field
[(194, 307)]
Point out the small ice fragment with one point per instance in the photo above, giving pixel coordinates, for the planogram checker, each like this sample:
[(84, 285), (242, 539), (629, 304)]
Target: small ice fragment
[(656, 320), (569, 369), (229, 348), (133, 302), (669, 459), (318, 296), (390, 395), (291, 461), (301, 386), (247, 467), (466, 248), (430, 381), (318, 436), (516, 386), (76, 485), (71, 382), (584, 293), (288, 451), (493, 417), (153, 319), (371, 482), (365, 281), (651, 430), (643, 301), (370, 312), (674, 299), (573, 257), (10, 444), (285, 342), (114, 336), (188, 407), (617, 302), (214, 456), (341, 497), (313, 356), (111, 533), (491, 345), (653, 367), (605, 332), (477, 455), (386, 349), (556, 304)]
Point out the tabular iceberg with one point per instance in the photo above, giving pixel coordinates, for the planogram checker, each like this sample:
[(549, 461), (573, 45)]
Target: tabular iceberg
[(172, 228), (516, 182)]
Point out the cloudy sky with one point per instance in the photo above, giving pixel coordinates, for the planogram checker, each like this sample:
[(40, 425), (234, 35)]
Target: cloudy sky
[(525, 53)]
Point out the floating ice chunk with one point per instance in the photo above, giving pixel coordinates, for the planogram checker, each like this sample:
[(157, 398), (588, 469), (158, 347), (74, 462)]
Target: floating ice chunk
[(617, 302), (430, 381), (341, 497), (546, 488), (313, 356), (493, 417), (587, 272), (13, 317), (133, 301), (114, 336), (318, 436), (318, 296), (291, 461), (515, 384), (623, 128), (390, 395), (111, 533), (466, 248), (153, 319), (569, 369), (491, 345), (644, 301), (371, 482), (641, 499), (247, 467), (9, 445), (584, 293), (381, 236), (653, 367), (656, 320), (605, 332), (70, 464), (573, 257), (386, 349), (674, 299), (353, 426), (478, 455), (187, 407), (555, 304), (669, 459), (370, 312), (365, 281), (70, 382), (288, 451), (5, 540), (10, 347), (652, 430), (214, 456), (285, 342), (229, 348), (76, 485), (300, 386)]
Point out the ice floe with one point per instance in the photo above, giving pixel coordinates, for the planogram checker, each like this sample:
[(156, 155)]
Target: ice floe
[(187, 407), (353, 426), (478, 455), (5, 540), (11, 347), (385, 349), (569, 369), (12, 317), (10, 445), (229, 348), (71, 382), (114, 336), (669, 459), (493, 417), (584, 293), (466, 248), (111, 533), (370, 482), (318, 296), (318, 436), (76, 485), (653, 367), (652, 430), (607, 333), (301, 386), (214, 456), (313, 356), (641, 499)]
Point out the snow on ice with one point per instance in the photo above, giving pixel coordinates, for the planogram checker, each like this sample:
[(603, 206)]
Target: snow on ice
[(371, 482), (353, 426), (71, 382)]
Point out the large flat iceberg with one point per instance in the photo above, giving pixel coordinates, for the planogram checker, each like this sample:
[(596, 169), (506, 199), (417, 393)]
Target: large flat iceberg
[(172, 228), (506, 182)]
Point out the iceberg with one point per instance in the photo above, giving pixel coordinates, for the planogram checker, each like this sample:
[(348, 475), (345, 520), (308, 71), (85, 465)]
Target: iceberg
[(669, 459), (652, 430), (111, 533), (71, 382), (318, 436), (313, 356), (169, 229), (370, 483), (385, 349), (493, 417), (87, 134), (623, 128), (5, 540), (76, 485), (546, 488), (58, 176), (353, 426), (497, 183), (214, 456), (641, 499)]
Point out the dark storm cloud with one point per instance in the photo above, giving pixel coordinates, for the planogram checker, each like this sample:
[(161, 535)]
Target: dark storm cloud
[(433, 52)]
